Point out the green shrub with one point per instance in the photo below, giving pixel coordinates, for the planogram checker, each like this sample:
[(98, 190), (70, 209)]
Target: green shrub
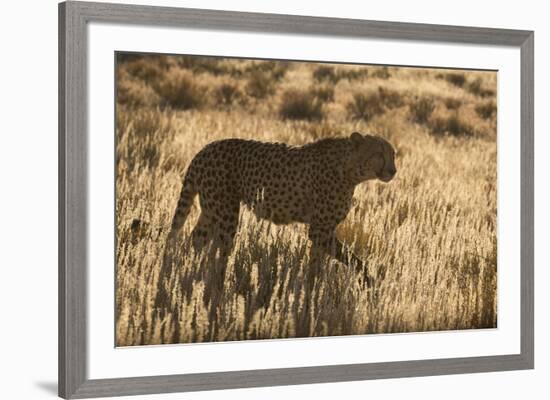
[(297, 104), (422, 109)]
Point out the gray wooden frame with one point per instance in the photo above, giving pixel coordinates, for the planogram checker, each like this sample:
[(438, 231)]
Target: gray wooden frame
[(73, 172)]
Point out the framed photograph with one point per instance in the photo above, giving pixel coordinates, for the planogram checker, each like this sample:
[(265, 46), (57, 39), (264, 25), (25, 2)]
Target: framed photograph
[(253, 200)]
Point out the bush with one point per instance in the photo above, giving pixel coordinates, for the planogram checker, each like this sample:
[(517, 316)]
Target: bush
[(476, 87), (364, 106), (201, 64), (323, 93), (382, 73), (145, 69), (422, 109), (452, 104), (325, 73), (296, 104), (451, 125), (178, 91), (235, 72), (227, 94), (353, 74), (390, 98), (486, 110), (276, 69), (455, 78), (135, 93), (260, 84), (329, 74), (128, 57)]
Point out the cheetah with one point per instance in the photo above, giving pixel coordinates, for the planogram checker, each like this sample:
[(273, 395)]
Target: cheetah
[(311, 184)]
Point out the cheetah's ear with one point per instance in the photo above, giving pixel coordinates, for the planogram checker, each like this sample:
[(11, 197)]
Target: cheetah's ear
[(357, 138)]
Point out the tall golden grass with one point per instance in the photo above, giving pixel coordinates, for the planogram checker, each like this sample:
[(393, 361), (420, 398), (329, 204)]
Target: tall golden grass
[(429, 236)]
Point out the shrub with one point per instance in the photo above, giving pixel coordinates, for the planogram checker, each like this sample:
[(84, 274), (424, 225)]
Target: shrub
[(455, 78), (178, 91), (422, 109), (451, 125), (165, 62), (390, 98), (296, 104), (135, 93), (201, 64), (329, 74), (235, 72), (382, 73), (452, 104), (277, 69), (323, 93), (227, 94), (476, 87), (353, 74), (325, 73), (260, 84), (364, 106), (128, 57), (274, 70), (486, 110), (145, 69)]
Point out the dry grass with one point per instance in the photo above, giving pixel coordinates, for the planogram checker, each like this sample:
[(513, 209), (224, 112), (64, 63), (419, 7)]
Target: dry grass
[(429, 236), (299, 104)]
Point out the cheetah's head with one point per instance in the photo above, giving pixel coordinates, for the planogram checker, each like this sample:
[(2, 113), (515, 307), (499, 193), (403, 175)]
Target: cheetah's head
[(372, 157)]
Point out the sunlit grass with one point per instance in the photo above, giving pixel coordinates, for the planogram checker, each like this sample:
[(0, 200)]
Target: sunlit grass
[(429, 236)]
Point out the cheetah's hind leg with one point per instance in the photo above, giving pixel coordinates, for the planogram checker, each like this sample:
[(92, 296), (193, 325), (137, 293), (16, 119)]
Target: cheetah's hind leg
[(212, 240)]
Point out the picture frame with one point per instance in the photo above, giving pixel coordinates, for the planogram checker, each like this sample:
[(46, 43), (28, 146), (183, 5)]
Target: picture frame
[(74, 18)]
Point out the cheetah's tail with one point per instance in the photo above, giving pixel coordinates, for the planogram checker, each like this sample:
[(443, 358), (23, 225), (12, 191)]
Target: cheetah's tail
[(187, 194)]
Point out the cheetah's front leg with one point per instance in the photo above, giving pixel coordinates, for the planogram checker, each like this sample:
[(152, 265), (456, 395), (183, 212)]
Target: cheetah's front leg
[(324, 239)]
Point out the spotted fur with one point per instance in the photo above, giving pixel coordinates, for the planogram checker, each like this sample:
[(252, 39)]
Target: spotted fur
[(311, 184)]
